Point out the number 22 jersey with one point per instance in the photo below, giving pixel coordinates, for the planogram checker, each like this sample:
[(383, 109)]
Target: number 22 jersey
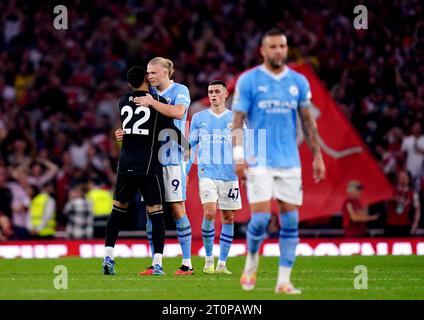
[(141, 145)]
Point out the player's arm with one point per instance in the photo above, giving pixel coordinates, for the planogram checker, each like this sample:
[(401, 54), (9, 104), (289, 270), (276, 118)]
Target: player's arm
[(173, 111), (238, 143), (119, 133), (242, 103), (310, 132)]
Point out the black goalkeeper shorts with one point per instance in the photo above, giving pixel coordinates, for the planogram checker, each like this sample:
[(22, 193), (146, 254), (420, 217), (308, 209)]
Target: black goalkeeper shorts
[(150, 186)]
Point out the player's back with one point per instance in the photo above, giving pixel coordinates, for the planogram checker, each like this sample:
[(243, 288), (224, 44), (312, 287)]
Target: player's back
[(271, 102), (140, 145), (215, 144)]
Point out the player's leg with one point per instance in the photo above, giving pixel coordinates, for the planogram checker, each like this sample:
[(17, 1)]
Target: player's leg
[(208, 193), (288, 191), (124, 189), (175, 194), (152, 189), (155, 213), (259, 192), (225, 240), (208, 235), (184, 236), (229, 201)]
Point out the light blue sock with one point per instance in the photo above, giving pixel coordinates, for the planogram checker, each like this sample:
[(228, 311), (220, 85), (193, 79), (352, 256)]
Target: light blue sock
[(208, 235), (149, 235), (256, 230), (227, 234), (184, 236), (289, 237)]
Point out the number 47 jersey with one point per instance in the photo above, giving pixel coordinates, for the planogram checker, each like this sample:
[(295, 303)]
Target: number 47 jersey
[(140, 145)]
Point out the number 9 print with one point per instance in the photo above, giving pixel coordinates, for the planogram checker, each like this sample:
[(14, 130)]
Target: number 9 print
[(175, 183)]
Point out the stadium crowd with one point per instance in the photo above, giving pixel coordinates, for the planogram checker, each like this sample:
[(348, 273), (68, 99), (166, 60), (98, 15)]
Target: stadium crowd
[(59, 88)]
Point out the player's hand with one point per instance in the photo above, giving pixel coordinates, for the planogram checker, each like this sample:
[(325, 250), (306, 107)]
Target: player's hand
[(119, 134), (318, 167), (240, 172), (146, 100)]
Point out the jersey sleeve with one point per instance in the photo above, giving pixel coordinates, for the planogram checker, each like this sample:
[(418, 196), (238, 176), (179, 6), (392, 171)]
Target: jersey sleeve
[(305, 94), (183, 96), (242, 99)]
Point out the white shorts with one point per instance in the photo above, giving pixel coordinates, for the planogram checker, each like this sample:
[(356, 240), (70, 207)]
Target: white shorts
[(174, 179), (227, 193), (263, 184)]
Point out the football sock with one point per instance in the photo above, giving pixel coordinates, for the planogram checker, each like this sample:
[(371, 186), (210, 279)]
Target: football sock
[(289, 238), (157, 259), (256, 230), (109, 252), (184, 237), (208, 235), (113, 225), (158, 231), (149, 234), (225, 240)]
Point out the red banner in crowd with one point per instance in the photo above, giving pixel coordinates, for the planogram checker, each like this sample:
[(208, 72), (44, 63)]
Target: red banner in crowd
[(345, 154)]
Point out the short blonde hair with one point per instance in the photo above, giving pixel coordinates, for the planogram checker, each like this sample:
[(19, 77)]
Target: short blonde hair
[(165, 63)]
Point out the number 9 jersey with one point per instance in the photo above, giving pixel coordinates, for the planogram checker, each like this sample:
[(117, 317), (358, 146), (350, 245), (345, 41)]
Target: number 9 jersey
[(140, 145)]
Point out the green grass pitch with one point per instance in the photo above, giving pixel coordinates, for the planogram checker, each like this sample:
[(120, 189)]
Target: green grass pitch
[(389, 277)]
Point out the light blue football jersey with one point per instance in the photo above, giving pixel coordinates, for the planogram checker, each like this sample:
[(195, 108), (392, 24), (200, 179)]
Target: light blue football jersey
[(271, 103), (212, 132), (175, 94)]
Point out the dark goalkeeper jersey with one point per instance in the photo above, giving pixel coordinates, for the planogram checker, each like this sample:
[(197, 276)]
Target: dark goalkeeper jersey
[(140, 145)]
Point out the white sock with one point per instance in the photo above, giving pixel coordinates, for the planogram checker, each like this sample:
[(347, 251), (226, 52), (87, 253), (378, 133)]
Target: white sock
[(284, 274), (187, 262), (157, 259), (221, 263), (252, 262), (109, 252), (209, 259)]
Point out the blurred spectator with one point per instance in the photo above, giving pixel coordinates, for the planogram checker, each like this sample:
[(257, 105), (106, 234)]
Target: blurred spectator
[(355, 215), (22, 193), (101, 200), (42, 222), (413, 145), (41, 172), (79, 215), (404, 211), (5, 207)]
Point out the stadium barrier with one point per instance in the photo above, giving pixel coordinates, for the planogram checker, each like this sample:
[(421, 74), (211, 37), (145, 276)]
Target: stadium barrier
[(130, 248)]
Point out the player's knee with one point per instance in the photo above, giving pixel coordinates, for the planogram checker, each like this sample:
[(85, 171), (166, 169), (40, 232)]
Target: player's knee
[(123, 205), (154, 208), (287, 207), (177, 210), (209, 215), (260, 220), (228, 217)]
